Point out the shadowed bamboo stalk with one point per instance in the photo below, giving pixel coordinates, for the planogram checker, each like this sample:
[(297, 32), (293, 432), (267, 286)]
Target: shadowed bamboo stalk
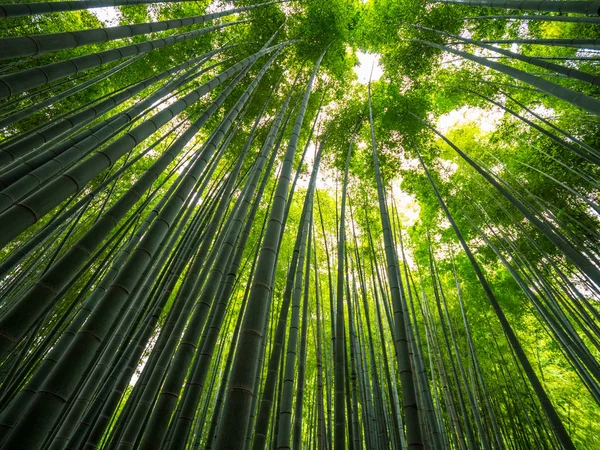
[(284, 438), (576, 98), (166, 402), (31, 9), (35, 206), (593, 44), (189, 293), (74, 361), (18, 82), (43, 156), (39, 44), (264, 412), (576, 7), (339, 432), (233, 424), (547, 406), (567, 248), (539, 17), (591, 155), (184, 421), (104, 285), (409, 401), (567, 71), (26, 112), (59, 274)]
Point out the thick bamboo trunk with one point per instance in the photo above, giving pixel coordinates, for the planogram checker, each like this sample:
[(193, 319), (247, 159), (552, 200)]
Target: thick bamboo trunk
[(31, 9), (576, 7), (409, 401), (233, 424), (39, 44), (18, 82)]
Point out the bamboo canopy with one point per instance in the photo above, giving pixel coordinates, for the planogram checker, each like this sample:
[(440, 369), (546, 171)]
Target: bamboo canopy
[(299, 225)]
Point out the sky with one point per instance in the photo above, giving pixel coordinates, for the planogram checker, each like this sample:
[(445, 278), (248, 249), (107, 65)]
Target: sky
[(486, 119), (109, 15), (366, 61)]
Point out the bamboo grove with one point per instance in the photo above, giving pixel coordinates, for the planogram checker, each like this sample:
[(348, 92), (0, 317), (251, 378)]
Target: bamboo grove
[(214, 234)]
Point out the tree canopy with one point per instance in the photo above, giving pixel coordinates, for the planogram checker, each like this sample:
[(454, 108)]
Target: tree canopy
[(330, 224)]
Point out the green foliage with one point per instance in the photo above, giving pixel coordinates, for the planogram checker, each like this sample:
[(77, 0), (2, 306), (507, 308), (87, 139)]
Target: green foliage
[(420, 85)]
